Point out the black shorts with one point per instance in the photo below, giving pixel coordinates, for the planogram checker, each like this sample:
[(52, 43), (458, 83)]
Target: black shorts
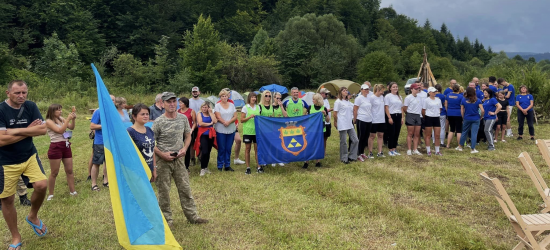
[(502, 118), (455, 124), (249, 139), (377, 128), (99, 154), (328, 129), (431, 122), (413, 120)]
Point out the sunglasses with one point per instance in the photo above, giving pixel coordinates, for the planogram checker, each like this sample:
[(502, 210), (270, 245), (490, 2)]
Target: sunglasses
[(267, 96), (278, 98)]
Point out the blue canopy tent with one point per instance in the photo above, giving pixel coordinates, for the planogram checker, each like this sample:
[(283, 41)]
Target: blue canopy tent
[(274, 88)]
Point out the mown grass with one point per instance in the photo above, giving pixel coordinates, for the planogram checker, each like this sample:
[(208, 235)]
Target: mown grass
[(399, 203)]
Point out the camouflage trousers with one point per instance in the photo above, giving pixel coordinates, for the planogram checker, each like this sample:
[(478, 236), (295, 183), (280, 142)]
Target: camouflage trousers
[(21, 187), (165, 172)]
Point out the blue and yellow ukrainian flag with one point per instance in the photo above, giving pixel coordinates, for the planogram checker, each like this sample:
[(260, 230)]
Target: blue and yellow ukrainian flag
[(138, 219)]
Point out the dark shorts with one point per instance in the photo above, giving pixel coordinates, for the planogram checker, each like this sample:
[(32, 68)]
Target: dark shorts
[(328, 129), (60, 150), (432, 122), (249, 139), (502, 118), (99, 154), (377, 128), (413, 120), (455, 124)]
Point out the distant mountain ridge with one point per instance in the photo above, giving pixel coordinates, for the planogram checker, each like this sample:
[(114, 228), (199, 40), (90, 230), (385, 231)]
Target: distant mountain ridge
[(526, 55)]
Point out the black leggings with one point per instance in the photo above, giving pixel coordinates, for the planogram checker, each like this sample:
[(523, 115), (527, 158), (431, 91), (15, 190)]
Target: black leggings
[(530, 120), (187, 156), (206, 148), (363, 132), (393, 130)]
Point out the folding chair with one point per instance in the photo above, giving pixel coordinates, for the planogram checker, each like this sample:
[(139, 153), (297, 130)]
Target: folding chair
[(526, 226), (544, 148), (537, 179)]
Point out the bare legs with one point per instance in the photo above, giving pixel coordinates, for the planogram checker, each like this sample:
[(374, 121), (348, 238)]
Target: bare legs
[(413, 131)]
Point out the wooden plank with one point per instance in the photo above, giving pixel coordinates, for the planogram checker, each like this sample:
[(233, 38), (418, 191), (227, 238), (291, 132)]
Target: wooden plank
[(527, 220), (543, 217)]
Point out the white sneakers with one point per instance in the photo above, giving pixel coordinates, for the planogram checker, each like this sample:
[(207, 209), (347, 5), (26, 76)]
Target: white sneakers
[(238, 162), (409, 152), (416, 152), (474, 151), (50, 197), (204, 171)]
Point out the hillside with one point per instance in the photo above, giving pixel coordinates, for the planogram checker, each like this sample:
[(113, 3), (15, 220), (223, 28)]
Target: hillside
[(526, 55)]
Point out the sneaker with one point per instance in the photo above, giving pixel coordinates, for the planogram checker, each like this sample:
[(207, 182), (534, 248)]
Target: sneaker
[(381, 154), (345, 162), (364, 156), (491, 149), (459, 149), (495, 141), (409, 152), (228, 169), (248, 171), (429, 154), (395, 153), (73, 194), (359, 158), (416, 152), (281, 164), (443, 145), (503, 141), (24, 201), (305, 165), (238, 162), (200, 221), (532, 138), (391, 153), (318, 164), (50, 197), (260, 170), (371, 156), (520, 138), (468, 145), (438, 154), (203, 172), (474, 151)]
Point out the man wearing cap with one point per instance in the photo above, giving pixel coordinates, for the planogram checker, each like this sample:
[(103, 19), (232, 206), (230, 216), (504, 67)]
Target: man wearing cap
[(195, 104), (170, 151)]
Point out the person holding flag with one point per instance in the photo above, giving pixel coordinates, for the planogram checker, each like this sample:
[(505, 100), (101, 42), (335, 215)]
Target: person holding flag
[(296, 107), (278, 110), (169, 151)]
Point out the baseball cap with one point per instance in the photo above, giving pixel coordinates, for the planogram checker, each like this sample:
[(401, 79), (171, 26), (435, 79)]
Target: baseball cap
[(365, 86), (195, 89), (415, 86), (432, 89), (168, 95), (324, 91)]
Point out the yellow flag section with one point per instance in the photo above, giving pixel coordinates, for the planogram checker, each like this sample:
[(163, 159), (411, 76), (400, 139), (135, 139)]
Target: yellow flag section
[(170, 242)]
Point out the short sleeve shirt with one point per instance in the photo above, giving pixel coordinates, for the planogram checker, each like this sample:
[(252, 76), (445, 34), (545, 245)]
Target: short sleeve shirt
[(377, 109), (524, 100), (490, 105), (145, 143), (413, 104), (512, 99), (432, 107), (471, 110), (364, 112), (195, 105), (22, 150), (327, 106), (169, 132), (155, 112), (96, 119), (442, 98), (225, 114), (453, 104), (394, 103), (345, 114)]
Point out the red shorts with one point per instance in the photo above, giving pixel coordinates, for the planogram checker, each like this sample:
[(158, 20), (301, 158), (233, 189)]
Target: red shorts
[(60, 150)]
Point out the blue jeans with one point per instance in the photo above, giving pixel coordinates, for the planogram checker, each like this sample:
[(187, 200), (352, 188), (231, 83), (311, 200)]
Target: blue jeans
[(225, 142), (467, 127)]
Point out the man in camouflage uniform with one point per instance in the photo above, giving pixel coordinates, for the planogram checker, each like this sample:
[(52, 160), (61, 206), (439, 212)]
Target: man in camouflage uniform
[(170, 151)]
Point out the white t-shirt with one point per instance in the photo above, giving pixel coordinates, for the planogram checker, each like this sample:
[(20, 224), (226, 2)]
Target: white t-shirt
[(377, 109), (432, 107), (413, 104), (327, 106), (345, 114), (364, 111), (422, 94), (394, 103), (226, 114), (195, 105)]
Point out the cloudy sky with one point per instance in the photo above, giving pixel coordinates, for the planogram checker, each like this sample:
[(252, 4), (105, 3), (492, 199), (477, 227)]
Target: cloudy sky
[(509, 25)]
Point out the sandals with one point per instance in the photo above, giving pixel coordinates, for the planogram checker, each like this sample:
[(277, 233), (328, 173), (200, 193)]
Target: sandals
[(95, 188), (16, 246), (106, 184), (36, 227)]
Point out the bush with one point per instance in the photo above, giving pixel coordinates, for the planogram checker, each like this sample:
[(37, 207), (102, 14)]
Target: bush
[(376, 67)]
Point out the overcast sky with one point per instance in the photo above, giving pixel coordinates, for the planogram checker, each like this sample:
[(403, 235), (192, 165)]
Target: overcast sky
[(509, 25)]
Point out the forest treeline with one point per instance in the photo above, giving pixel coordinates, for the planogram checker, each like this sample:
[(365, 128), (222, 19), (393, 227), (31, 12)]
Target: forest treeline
[(150, 46)]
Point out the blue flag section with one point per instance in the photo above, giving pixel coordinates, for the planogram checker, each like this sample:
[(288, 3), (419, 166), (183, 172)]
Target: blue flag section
[(138, 219), (289, 139)]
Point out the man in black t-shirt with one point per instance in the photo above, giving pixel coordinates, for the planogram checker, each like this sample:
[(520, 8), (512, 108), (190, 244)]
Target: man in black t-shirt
[(20, 121)]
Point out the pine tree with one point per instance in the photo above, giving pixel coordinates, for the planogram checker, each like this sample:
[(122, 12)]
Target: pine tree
[(427, 25)]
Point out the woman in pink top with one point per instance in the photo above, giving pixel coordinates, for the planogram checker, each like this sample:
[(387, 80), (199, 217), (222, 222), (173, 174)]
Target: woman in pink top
[(60, 147), (191, 117)]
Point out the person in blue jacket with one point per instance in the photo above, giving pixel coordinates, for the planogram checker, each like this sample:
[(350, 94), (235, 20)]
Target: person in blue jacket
[(472, 111), (525, 102), (491, 107)]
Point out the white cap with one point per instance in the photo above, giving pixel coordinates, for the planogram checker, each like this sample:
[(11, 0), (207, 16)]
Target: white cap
[(365, 86), (432, 89), (195, 89)]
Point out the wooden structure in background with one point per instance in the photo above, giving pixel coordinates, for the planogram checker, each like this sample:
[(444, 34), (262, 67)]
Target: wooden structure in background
[(425, 74)]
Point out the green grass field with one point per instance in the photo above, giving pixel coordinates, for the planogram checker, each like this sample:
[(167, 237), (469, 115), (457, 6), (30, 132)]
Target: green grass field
[(391, 203)]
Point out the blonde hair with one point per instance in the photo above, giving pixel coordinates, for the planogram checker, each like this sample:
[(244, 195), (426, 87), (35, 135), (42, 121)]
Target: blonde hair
[(119, 101), (224, 92), (460, 89), (317, 97), (377, 87), (262, 98), (273, 100)]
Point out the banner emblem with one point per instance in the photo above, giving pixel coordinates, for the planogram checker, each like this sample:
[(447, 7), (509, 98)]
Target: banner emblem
[(293, 139)]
